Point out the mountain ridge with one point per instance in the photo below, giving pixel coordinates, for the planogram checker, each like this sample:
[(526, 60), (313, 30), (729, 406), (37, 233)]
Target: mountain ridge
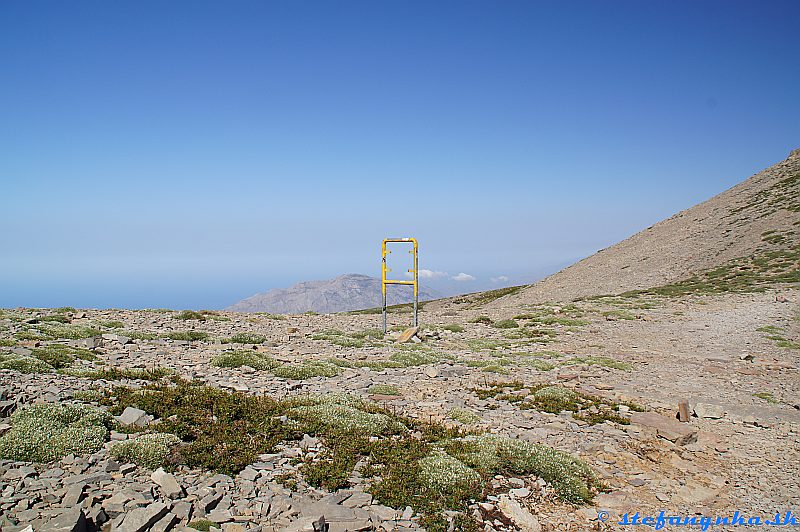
[(760, 215)]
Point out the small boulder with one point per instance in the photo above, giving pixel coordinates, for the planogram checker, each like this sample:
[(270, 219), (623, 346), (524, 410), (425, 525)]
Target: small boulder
[(168, 483), (133, 416)]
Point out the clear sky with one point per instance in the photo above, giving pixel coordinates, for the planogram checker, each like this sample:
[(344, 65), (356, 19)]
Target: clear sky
[(188, 154)]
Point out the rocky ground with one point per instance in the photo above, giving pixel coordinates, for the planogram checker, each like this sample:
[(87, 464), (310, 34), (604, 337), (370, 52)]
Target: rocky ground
[(475, 365)]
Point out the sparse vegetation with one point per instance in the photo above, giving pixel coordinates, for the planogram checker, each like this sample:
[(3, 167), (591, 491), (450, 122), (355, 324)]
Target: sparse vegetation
[(423, 465), (23, 363), (353, 339), (384, 389), (263, 362), (776, 334), (745, 274), (556, 399), (506, 324), (482, 298), (598, 361), (453, 327), (117, 373), (187, 336), (618, 314), (203, 525), (61, 356), (245, 338), (190, 315), (87, 396), (572, 478), (463, 415), (767, 396), (269, 316)]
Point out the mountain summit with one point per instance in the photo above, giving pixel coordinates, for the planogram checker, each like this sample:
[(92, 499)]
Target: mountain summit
[(350, 291)]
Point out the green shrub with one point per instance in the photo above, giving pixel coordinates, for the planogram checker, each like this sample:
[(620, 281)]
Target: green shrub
[(187, 336), (269, 316), (554, 399), (245, 338), (506, 324), (541, 365), (409, 357), (384, 389), (23, 363), (486, 320), (453, 327), (306, 370), (463, 415), (343, 418), (204, 525), (573, 479), (61, 356), (368, 333), (224, 431), (147, 450), (190, 315), (448, 476), (47, 431), (88, 396)]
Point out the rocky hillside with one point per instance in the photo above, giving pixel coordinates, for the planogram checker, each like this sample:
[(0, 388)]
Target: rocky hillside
[(747, 234), (351, 291)]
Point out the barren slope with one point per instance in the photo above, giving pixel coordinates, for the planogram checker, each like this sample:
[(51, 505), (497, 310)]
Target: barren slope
[(759, 215)]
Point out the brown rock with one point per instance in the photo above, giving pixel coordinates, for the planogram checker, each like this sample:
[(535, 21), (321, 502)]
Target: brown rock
[(669, 429)]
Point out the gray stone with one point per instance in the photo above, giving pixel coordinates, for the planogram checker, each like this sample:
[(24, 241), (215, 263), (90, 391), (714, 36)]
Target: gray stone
[(141, 519), (133, 416), (209, 502), (165, 523), (168, 483), (74, 495), (358, 499), (332, 512), (518, 515), (70, 520), (519, 493)]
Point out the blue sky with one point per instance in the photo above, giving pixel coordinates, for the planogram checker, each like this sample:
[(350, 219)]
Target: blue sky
[(189, 154)]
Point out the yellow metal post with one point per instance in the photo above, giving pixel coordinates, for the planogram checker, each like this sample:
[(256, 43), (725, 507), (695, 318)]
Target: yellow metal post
[(414, 271)]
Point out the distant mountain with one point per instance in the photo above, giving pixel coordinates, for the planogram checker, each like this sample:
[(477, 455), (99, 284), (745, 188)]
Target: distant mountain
[(351, 291)]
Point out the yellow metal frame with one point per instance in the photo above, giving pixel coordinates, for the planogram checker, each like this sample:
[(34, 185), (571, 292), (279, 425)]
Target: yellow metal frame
[(414, 271)]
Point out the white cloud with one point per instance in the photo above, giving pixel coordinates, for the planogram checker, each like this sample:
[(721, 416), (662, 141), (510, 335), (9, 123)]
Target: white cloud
[(463, 277), (500, 279), (428, 274)]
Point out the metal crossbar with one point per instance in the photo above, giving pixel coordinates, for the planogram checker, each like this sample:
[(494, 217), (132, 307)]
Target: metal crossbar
[(384, 270)]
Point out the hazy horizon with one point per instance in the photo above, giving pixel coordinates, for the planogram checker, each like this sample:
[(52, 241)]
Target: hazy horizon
[(191, 155)]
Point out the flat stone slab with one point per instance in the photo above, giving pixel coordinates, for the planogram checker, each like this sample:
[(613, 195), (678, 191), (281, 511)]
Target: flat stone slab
[(669, 429)]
